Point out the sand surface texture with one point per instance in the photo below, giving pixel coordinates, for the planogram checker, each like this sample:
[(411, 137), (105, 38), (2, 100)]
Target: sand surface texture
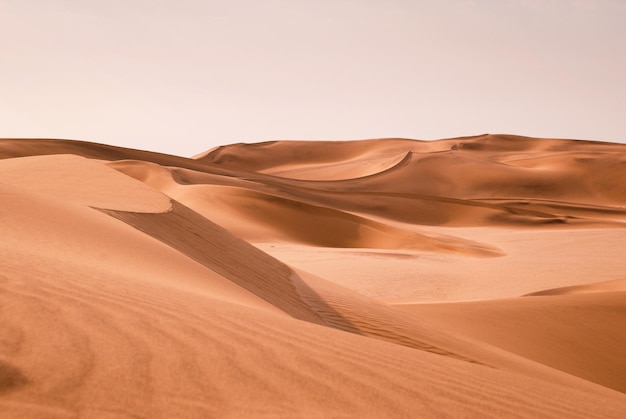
[(469, 277)]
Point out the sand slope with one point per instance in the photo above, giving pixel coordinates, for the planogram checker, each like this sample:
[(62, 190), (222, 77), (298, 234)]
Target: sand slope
[(582, 334), (264, 280)]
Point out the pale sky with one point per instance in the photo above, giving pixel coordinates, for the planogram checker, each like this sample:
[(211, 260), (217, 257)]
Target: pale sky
[(183, 76)]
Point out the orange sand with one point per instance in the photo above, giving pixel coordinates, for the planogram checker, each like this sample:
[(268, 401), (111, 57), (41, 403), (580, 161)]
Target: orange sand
[(469, 277)]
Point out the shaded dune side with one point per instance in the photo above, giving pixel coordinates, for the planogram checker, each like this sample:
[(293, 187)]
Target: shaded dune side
[(46, 230), (212, 246), (580, 334)]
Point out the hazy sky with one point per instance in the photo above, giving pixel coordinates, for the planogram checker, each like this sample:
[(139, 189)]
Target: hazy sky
[(182, 76)]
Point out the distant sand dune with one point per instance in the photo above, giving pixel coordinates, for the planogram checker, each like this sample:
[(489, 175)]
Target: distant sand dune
[(357, 168), (476, 167), (289, 279)]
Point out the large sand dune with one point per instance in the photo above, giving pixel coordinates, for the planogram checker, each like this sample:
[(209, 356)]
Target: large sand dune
[(467, 277)]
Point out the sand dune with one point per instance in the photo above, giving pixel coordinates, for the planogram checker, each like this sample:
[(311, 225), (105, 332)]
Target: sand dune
[(604, 286), (252, 215), (566, 172), (581, 334), (314, 279)]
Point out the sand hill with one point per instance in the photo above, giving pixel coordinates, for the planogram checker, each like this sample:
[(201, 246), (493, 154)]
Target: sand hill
[(391, 278)]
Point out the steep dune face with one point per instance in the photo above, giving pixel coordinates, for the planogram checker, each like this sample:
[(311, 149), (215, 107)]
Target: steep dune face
[(255, 280), (213, 247)]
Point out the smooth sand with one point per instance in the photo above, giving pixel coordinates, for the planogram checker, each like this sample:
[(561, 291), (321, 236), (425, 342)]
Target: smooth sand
[(468, 277)]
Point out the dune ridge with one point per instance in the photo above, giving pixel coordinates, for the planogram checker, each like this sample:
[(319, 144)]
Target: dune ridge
[(468, 277), (604, 286)]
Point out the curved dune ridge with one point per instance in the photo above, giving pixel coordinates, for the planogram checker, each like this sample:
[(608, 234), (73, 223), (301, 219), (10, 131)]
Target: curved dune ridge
[(314, 279), (359, 167)]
